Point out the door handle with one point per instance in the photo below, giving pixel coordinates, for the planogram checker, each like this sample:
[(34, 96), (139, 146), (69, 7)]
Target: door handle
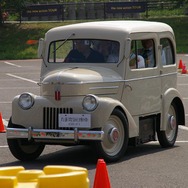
[(128, 86)]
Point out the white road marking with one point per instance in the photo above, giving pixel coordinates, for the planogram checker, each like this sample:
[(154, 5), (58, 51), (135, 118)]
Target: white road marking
[(5, 123), (177, 141), (22, 78), (12, 64), (183, 127), (182, 75), (5, 102)]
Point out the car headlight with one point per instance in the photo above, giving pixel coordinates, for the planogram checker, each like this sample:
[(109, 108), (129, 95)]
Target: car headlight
[(26, 101), (90, 102)]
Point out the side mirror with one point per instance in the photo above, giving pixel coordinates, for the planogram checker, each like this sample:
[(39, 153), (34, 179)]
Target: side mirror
[(128, 48), (40, 47)]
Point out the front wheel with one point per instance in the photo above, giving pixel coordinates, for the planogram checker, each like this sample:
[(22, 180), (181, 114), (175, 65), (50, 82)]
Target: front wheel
[(115, 141), (22, 149), (168, 137)]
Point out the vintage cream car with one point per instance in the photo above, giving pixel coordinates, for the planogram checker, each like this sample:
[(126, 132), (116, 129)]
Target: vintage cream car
[(99, 87)]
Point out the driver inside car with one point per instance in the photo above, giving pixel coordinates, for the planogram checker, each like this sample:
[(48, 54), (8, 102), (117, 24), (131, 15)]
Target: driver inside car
[(84, 53)]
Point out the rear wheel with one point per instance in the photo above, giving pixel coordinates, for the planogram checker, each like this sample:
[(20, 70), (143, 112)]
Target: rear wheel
[(22, 149), (115, 141), (168, 137)]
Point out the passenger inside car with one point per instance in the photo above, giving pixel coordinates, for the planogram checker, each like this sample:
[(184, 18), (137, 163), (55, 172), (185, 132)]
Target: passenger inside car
[(114, 55), (104, 47), (109, 49), (148, 52), (136, 61)]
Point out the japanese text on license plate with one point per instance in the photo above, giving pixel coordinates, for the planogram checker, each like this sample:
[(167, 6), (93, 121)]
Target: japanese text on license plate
[(75, 120)]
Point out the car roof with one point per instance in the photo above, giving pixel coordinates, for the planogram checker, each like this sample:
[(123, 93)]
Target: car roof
[(128, 26), (103, 28)]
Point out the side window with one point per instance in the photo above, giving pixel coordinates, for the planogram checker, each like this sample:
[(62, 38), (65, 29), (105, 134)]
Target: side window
[(167, 53), (142, 54)]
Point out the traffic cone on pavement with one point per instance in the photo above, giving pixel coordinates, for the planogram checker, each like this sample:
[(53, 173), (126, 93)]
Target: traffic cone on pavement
[(184, 69), (2, 128), (180, 66), (101, 175)]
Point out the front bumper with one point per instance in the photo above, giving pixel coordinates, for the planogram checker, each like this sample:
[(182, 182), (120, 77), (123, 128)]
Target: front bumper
[(74, 135)]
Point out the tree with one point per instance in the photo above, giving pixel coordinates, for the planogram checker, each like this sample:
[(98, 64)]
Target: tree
[(17, 5), (1, 15), (2, 6)]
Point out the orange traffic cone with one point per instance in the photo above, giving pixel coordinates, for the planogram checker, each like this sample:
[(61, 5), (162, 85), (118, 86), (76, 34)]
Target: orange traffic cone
[(2, 128), (184, 69), (180, 64), (101, 175)]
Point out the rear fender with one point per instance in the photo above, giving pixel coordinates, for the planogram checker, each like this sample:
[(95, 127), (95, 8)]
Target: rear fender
[(172, 95)]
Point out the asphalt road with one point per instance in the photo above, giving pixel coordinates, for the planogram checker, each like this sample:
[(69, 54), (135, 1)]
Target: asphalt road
[(145, 166)]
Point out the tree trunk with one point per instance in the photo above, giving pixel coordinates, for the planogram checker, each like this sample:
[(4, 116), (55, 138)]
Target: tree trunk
[(1, 18)]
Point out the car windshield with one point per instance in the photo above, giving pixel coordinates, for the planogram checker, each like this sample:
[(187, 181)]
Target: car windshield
[(84, 51)]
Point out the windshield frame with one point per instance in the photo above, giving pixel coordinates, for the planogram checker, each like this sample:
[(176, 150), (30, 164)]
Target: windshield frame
[(70, 44)]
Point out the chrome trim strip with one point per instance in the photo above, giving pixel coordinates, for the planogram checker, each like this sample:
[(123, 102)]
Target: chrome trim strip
[(75, 134), (169, 74), (150, 77), (105, 87), (115, 81)]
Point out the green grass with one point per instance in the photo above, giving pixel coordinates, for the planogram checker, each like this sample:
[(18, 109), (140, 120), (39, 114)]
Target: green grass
[(13, 37), (167, 13)]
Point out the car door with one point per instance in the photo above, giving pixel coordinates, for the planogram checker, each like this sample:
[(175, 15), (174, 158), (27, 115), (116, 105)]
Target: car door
[(142, 87)]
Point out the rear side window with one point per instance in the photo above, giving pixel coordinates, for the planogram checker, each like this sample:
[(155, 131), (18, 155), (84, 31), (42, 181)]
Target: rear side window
[(167, 53)]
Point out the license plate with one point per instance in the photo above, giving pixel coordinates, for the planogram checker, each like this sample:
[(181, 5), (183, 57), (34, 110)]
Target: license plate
[(75, 120)]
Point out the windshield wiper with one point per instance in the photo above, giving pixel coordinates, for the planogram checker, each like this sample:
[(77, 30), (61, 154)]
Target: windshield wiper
[(73, 34), (43, 61)]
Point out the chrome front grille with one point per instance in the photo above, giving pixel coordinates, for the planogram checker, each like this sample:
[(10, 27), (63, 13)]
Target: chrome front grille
[(50, 116)]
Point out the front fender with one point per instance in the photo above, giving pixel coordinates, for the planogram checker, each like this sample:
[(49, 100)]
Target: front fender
[(31, 117), (171, 95), (104, 110)]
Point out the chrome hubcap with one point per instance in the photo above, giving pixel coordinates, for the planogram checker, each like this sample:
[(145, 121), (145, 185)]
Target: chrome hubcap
[(114, 135), (172, 122)]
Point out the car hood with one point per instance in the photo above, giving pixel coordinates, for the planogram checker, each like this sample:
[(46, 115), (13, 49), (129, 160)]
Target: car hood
[(81, 75), (81, 81)]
